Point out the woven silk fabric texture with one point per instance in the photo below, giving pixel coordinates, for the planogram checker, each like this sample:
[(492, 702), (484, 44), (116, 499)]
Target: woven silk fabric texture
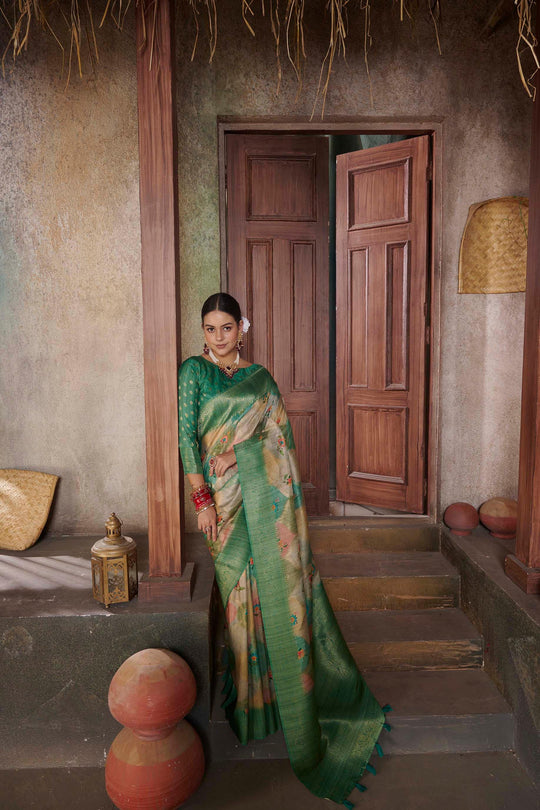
[(288, 664)]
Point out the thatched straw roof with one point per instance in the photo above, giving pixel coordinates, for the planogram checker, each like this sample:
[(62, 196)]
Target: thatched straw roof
[(72, 22)]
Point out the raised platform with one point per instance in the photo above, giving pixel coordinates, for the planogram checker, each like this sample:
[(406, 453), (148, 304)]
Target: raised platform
[(509, 621), (59, 649)]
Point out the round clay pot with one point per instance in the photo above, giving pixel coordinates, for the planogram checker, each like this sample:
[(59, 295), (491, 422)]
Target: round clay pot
[(146, 774), (151, 692), (499, 516), (461, 518)]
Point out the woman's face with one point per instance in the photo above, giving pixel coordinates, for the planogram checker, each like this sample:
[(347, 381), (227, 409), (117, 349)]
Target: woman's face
[(220, 332)]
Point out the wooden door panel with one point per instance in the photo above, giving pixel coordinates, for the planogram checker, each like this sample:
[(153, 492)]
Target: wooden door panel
[(379, 195), (381, 238), (305, 432), (281, 188), (378, 439), (303, 316), (357, 317), (277, 265), (397, 316), (259, 265)]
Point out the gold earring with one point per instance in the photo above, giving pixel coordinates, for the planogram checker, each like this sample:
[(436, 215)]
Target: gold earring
[(239, 340), (206, 350)]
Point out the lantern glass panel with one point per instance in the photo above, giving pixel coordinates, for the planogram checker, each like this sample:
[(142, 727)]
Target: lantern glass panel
[(96, 570), (115, 578), (132, 573)]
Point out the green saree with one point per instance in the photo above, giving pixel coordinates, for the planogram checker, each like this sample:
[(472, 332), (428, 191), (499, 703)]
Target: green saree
[(288, 664)]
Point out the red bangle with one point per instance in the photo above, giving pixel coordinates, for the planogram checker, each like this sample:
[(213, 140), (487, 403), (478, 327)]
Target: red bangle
[(202, 497), (199, 491)]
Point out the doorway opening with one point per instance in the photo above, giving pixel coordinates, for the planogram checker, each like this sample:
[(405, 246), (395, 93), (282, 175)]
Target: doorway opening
[(303, 242)]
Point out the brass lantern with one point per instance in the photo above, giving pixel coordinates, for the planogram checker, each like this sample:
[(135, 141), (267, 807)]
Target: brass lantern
[(114, 565)]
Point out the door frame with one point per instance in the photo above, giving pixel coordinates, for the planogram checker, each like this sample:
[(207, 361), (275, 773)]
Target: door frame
[(360, 126)]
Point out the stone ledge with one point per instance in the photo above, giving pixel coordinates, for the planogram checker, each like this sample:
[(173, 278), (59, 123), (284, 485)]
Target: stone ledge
[(509, 620), (487, 554), (59, 649)]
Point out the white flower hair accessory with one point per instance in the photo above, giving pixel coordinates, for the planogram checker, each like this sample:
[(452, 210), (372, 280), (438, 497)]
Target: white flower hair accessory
[(245, 324)]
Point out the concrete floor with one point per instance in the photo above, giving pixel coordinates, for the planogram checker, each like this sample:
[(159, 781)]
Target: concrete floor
[(485, 781)]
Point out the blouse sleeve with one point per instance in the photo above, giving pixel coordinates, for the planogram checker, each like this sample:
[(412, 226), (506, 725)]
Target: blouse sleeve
[(188, 414)]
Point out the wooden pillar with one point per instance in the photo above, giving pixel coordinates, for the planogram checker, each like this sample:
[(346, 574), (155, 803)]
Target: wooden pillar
[(161, 324), (523, 567)]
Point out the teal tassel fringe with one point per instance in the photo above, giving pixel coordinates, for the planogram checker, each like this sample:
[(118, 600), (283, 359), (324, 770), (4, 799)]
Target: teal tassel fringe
[(369, 767)]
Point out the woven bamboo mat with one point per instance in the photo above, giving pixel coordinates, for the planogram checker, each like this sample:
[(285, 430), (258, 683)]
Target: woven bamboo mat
[(25, 501), (493, 254)]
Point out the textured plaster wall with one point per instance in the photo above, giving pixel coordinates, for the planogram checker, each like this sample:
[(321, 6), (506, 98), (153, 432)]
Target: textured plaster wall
[(71, 377), (475, 90)]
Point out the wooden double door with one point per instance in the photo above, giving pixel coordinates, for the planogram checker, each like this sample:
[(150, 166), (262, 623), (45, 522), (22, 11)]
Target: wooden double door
[(277, 192)]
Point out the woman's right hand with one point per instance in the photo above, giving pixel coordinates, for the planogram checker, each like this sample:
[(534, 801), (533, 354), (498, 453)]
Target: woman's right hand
[(207, 523)]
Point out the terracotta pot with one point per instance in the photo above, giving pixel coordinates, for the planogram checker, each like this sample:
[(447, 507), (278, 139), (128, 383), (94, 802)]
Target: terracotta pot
[(461, 518), (151, 692), (145, 774), (499, 516)]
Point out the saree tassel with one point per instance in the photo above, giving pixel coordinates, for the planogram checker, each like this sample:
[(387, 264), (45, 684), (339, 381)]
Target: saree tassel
[(387, 726), (360, 787), (348, 805), (371, 769), (387, 708), (379, 749)]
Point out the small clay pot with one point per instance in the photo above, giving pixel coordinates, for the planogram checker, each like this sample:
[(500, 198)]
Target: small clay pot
[(499, 516), (151, 692), (461, 518)]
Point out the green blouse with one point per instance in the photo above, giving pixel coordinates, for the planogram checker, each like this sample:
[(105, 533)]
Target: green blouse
[(199, 380)]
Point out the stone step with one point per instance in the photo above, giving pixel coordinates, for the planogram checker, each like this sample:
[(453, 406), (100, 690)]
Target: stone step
[(346, 535), (481, 780), (225, 746), (433, 711), (389, 580), (412, 639), (443, 711)]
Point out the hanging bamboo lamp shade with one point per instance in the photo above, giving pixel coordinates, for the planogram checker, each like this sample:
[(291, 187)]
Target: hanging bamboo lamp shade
[(25, 501), (493, 254)]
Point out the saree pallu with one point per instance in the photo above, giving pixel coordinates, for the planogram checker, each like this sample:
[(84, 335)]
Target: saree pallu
[(288, 664)]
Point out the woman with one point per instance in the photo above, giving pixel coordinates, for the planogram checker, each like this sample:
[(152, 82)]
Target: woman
[(288, 665)]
